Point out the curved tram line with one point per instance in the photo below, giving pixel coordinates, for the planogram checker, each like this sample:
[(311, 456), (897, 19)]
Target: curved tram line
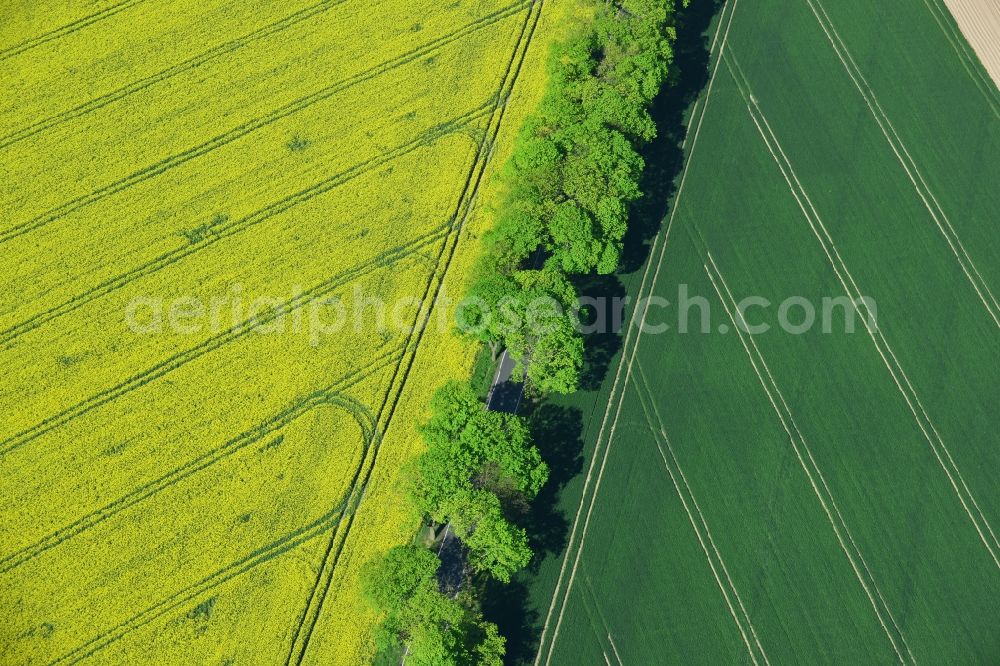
[(466, 203), (254, 559), (208, 459), (180, 359)]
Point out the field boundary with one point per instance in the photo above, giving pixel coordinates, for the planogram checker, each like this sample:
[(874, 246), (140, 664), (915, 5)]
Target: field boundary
[(466, 203), (731, 6), (970, 61)]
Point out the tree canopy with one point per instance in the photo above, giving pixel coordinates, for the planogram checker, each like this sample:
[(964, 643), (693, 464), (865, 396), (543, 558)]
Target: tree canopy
[(569, 185), (436, 629), (478, 465)]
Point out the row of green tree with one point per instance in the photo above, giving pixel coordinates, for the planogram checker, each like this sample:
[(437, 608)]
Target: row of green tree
[(479, 472), (569, 185)]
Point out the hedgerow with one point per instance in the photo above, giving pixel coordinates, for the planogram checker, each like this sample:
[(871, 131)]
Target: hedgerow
[(568, 188)]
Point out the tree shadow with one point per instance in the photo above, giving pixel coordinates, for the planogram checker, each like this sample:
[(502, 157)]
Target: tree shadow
[(558, 429), (557, 432), (664, 160), (504, 604), (663, 155), (602, 328)]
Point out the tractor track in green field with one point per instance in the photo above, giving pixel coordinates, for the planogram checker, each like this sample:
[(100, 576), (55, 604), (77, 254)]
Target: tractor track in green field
[(703, 533), (466, 203), (251, 126), (812, 470), (227, 228), (67, 29), (913, 173), (846, 280), (179, 68), (894, 515), (323, 289), (233, 446)]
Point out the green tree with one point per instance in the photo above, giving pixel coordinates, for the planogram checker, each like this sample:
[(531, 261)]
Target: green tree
[(546, 344), (481, 314), (495, 545), (557, 359), (491, 647), (436, 629), (403, 585), (479, 466)]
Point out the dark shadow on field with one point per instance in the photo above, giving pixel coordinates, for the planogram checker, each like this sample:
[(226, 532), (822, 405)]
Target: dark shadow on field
[(557, 432), (558, 429), (664, 161), (664, 157), (506, 605), (602, 331)]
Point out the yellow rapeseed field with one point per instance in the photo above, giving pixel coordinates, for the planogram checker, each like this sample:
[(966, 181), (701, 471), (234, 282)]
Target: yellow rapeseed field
[(195, 459)]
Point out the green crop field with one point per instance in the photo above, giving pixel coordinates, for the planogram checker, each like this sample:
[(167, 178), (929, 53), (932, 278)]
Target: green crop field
[(823, 497), (206, 493)]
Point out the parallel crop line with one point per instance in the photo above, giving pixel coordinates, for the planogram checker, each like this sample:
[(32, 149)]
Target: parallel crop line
[(594, 608), (382, 260), (621, 364), (67, 29), (591, 609), (858, 292), (645, 394), (294, 539), (255, 124), (191, 63), (895, 369), (909, 165), (207, 459), (251, 561), (775, 390), (355, 495), (615, 649), (338, 538), (595, 604), (229, 228), (465, 206)]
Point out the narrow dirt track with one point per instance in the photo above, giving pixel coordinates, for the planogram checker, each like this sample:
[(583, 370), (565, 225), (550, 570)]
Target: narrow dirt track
[(979, 21)]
